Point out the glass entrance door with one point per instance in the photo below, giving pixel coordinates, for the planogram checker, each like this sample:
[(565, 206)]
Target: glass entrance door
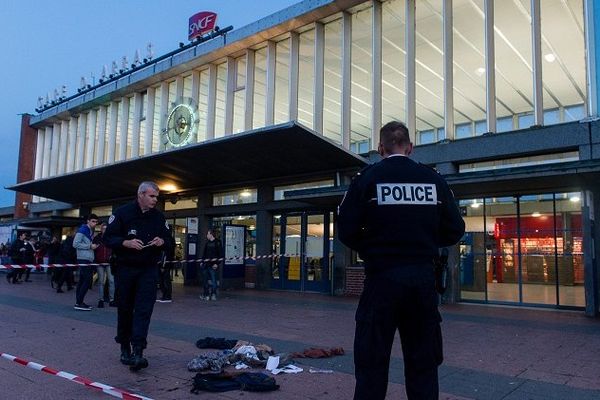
[(302, 242)]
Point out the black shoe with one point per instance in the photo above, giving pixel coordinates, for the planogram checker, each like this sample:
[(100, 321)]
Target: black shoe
[(137, 360), (100, 304), (7, 278), (126, 357), (82, 307), (112, 303), (59, 290)]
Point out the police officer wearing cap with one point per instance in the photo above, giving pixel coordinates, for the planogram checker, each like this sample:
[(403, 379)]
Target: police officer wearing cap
[(137, 233), (397, 213)]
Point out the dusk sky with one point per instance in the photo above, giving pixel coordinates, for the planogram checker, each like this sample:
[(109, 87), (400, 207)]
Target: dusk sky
[(49, 44)]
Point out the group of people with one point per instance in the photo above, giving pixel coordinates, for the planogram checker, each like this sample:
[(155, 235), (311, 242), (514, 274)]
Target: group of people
[(22, 251)]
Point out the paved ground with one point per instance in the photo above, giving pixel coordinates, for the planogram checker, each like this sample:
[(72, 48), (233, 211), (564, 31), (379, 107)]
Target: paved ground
[(491, 352)]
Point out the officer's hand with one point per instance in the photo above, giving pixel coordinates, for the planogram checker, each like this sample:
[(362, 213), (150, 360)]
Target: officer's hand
[(135, 244), (156, 242)]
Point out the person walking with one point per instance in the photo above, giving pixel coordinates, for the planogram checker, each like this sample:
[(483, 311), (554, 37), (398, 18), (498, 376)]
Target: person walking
[(82, 243), (137, 232), (397, 214), (102, 256)]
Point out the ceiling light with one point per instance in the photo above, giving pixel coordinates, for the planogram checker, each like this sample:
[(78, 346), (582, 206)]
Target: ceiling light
[(550, 57), (536, 214), (168, 187), (480, 71), (574, 199), (475, 204), (245, 193)]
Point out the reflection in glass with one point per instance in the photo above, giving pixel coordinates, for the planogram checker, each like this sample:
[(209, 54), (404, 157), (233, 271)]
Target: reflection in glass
[(332, 92), (360, 124), (282, 81), (260, 87), (393, 52), (220, 102), (306, 78)]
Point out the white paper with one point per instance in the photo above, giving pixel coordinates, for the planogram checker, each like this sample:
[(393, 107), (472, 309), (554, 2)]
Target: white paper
[(272, 363), (288, 369), (192, 249)]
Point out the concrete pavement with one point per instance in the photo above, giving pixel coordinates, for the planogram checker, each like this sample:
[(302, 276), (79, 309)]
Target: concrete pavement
[(490, 352)]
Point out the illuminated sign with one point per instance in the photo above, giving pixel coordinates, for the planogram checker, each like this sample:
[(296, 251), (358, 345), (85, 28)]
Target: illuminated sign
[(201, 23)]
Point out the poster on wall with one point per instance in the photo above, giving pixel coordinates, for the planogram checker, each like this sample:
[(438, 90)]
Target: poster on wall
[(192, 225), (234, 245)]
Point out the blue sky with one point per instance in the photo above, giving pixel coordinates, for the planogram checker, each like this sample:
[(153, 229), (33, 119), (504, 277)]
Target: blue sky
[(47, 44)]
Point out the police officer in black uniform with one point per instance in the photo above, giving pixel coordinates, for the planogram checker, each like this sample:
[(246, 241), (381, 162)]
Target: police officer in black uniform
[(137, 233), (397, 214)]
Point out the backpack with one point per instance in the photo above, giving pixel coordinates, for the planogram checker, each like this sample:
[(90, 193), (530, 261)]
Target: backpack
[(247, 381)]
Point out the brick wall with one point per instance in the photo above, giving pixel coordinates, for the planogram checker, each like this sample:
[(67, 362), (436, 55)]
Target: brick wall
[(355, 277), (26, 167)]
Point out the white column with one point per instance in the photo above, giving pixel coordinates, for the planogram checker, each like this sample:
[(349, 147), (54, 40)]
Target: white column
[(376, 74), (47, 149), (490, 66), (164, 109), (346, 78), (270, 89), (212, 101), (536, 54), (112, 132), (294, 54), (135, 129), (319, 68), (411, 105), (124, 127), (229, 92), (249, 93), (195, 98), (55, 148), (72, 152), (100, 149), (90, 139), (39, 159), (81, 125), (448, 70), (151, 96), (62, 152)]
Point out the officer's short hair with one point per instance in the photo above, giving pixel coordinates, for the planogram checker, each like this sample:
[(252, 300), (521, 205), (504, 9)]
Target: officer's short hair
[(144, 186), (392, 134)]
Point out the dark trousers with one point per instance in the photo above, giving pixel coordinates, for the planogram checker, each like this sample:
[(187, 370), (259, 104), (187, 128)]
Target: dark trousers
[(166, 287), (86, 273), (64, 274), (136, 293), (401, 299), (24, 271)]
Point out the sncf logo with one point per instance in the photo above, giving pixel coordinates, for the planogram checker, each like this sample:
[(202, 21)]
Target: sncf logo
[(201, 23), (406, 193)]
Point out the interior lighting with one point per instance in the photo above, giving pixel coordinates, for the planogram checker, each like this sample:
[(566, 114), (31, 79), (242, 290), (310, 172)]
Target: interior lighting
[(550, 57), (536, 214), (245, 193), (168, 187), (475, 204), (480, 71), (574, 199)]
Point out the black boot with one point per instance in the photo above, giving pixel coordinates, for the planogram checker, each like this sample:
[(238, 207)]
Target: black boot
[(137, 360), (126, 358)]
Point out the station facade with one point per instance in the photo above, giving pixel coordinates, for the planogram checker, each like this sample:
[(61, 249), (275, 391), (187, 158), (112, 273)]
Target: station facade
[(258, 131)]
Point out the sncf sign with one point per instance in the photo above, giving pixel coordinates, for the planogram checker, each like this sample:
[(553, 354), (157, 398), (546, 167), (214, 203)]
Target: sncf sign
[(201, 23)]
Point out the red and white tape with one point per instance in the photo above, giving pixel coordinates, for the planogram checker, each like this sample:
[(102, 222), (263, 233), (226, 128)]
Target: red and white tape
[(118, 393), (199, 260)]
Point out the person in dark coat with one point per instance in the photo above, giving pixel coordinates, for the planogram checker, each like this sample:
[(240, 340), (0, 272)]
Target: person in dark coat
[(397, 214), (66, 255), (212, 254), (16, 252)]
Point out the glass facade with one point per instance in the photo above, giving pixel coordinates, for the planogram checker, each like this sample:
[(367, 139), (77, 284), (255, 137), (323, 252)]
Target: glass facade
[(524, 249), (560, 73)]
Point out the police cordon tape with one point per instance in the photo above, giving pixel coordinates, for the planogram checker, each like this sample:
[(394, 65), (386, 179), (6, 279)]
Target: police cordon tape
[(115, 392), (40, 267)]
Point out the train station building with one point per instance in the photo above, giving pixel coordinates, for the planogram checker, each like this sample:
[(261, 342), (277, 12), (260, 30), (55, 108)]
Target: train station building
[(257, 132)]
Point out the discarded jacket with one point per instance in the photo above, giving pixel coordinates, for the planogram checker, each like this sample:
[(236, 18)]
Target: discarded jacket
[(215, 361), (247, 381), (215, 343)]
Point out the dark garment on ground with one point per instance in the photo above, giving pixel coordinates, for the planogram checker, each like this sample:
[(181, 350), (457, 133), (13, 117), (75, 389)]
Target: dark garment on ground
[(247, 381), (216, 343), (314, 352)]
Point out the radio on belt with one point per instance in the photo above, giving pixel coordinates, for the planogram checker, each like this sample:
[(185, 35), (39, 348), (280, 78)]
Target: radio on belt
[(406, 193)]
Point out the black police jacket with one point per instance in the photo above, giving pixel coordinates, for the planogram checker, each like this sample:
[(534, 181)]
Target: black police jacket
[(129, 222), (398, 212)]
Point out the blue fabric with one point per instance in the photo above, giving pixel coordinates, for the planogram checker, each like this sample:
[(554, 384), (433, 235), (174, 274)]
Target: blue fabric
[(85, 230)]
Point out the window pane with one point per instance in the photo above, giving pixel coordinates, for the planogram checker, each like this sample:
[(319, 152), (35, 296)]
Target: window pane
[(361, 106), (260, 88), (220, 106), (282, 81), (393, 85), (332, 92), (306, 78)]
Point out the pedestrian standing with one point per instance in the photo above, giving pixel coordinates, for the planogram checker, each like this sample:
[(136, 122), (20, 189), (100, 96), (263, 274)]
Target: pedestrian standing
[(102, 256), (17, 249), (82, 243), (397, 214), (137, 233), (212, 258)]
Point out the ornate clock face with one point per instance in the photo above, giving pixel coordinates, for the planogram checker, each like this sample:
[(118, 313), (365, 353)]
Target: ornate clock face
[(181, 123)]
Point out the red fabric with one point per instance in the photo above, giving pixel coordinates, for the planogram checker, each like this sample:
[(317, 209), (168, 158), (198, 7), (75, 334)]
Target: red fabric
[(315, 352)]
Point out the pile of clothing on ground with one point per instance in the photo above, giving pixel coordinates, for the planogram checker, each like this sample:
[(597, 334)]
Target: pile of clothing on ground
[(210, 366)]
